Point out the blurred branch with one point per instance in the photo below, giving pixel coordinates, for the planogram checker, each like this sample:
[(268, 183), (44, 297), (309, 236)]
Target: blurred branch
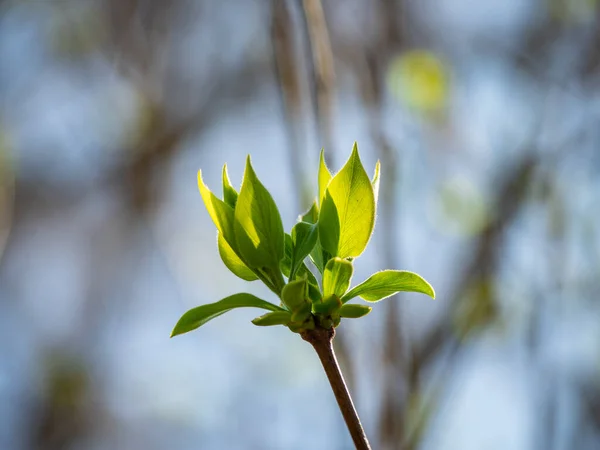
[(290, 90), (322, 72)]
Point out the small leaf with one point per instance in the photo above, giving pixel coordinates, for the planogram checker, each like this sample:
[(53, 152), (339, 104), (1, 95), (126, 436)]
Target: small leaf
[(294, 294), (313, 285), (324, 177), (198, 316), (375, 181), (328, 306), (233, 261), (230, 195), (273, 318), (352, 311), (258, 228), (386, 283), (304, 238), (336, 277), (347, 216), (220, 212)]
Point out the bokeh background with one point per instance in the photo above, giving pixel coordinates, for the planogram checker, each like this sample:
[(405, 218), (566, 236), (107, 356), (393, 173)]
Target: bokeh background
[(485, 115)]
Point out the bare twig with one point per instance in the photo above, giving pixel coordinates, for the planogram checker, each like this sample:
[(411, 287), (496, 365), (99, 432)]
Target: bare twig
[(321, 340)]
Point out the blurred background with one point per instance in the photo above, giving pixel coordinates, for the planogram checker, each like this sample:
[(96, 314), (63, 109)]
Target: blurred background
[(485, 116)]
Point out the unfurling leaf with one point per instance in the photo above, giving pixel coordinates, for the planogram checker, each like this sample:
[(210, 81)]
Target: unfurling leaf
[(230, 195), (314, 292), (273, 318), (347, 215), (386, 283), (198, 316), (294, 294), (220, 212), (258, 228), (328, 306), (352, 311), (324, 177), (336, 277), (304, 238), (233, 261)]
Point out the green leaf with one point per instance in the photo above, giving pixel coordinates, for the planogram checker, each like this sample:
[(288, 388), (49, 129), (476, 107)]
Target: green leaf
[(353, 311), (324, 177), (336, 277), (302, 272), (375, 181), (198, 316), (386, 283), (304, 238), (328, 306), (230, 195), (312, 215), (273, 318), (258, 228), (220, 212), (347, 216), (294, 294), (233, 261)]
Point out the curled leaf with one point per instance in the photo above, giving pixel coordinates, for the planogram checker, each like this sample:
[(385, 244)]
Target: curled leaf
[(233, 261), (336, 277)]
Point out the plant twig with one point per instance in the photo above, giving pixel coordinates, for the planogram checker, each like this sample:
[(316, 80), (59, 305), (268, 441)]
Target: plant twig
[(321, 340)]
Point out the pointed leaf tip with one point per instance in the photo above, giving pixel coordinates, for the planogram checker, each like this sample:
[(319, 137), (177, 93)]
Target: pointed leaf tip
[(387, 283), (196, 317)]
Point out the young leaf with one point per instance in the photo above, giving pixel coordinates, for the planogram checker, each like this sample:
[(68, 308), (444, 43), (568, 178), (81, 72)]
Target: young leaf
[(220, 212), (324, 177), (258, 228), (328, 306), (375, 181), (386, 283), (198, 316), (233, 261), (347, 215), (294, 294), (273, 318), (304, 238), (230, 195), (312, 215), (352, 311), (336, 277)]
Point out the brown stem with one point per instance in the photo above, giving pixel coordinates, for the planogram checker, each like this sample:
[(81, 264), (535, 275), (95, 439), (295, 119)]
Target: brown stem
[(321, 339)]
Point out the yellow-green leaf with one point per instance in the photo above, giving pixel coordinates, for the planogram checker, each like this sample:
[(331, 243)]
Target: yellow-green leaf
[(220, 212), (294, 294), (198, 316), (258, 227), (233, 261), (386, 283), (230, 195), (324, 177), (336, 277), (347, 216)]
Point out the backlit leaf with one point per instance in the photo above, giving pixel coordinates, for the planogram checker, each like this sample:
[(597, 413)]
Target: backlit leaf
[(336, 277), (198, 316), (324, 177), (220, 212), (258, 228), (386, 283), (347, 215), (233, 261), (230, 195)]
